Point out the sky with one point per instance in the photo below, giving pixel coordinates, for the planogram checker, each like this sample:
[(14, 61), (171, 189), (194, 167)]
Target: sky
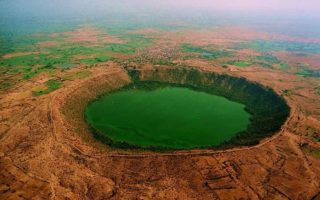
[(302, 8), (255, 5), (304, 14)]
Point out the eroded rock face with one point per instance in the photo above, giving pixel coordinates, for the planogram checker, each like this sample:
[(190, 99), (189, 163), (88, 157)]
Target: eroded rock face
[(49, 154), (17, 184), (101, 189)]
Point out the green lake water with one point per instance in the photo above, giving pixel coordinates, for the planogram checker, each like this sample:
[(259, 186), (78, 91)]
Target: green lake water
[(170, 117)]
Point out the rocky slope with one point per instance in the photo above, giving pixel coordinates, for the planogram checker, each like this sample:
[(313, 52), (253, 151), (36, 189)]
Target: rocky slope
[(46, 152)]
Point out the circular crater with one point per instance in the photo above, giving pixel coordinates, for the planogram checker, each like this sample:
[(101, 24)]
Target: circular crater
[(167, 117), (186, 109)]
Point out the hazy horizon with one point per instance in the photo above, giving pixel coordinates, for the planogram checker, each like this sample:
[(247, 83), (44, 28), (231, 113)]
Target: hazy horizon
[(287, 16)]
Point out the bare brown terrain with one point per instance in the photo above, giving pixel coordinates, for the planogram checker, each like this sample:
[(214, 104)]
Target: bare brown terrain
[(48, 152)]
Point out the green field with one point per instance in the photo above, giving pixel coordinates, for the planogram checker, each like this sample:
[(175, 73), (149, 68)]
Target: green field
[(64, 54), (205, 52), (278, 45), (51, 86), (240, 63), (309, 73), (169, 117)]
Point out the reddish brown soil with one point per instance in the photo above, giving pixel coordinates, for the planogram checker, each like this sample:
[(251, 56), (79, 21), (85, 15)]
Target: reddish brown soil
[(222, 37), (90, 35), (47, 44), (12, 55), (47, 152)]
